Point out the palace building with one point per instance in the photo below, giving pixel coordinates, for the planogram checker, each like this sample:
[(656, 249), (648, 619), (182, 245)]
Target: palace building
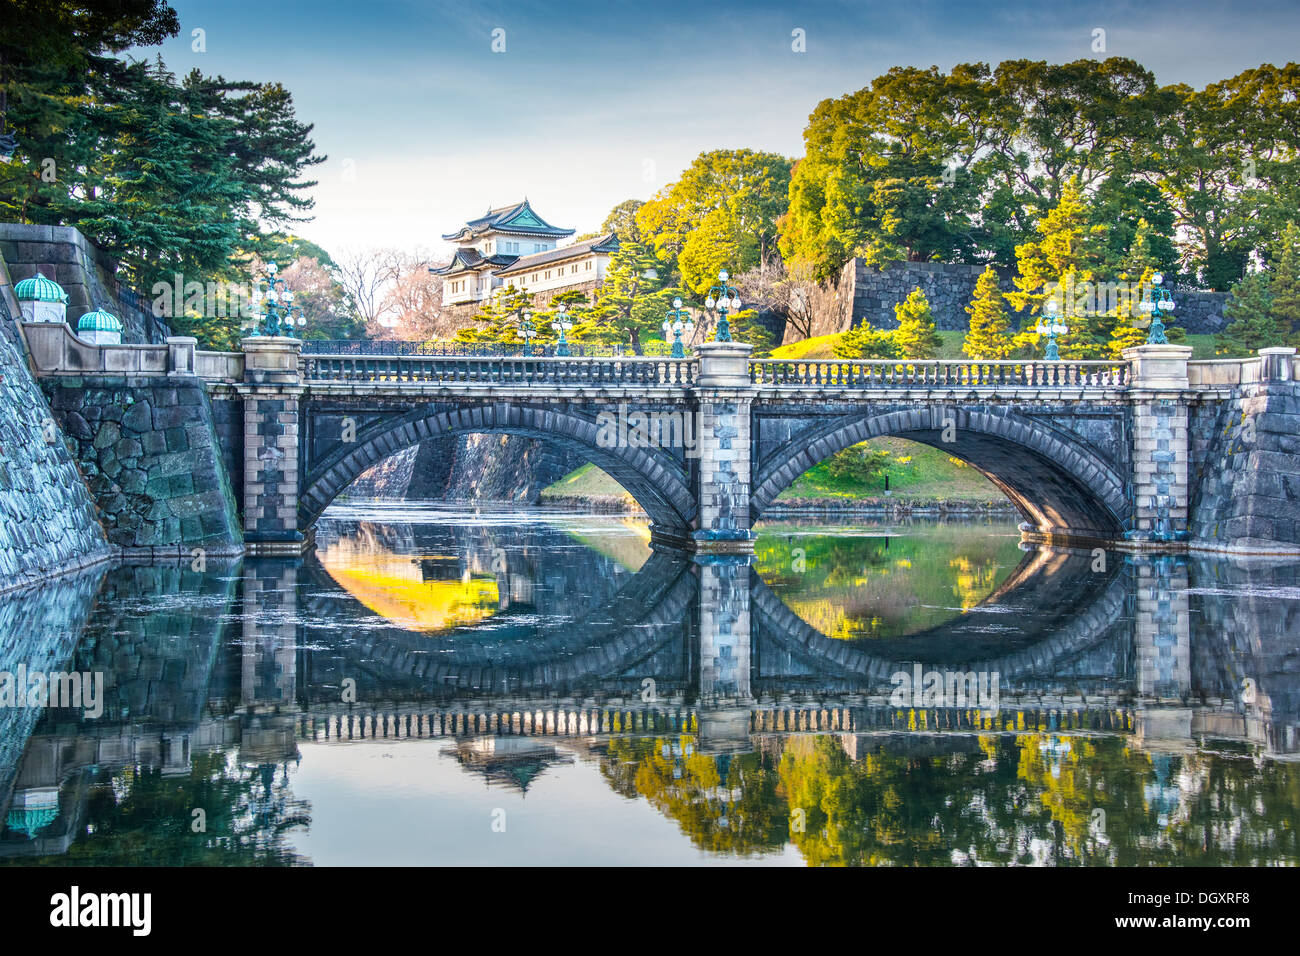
[(513, 245)]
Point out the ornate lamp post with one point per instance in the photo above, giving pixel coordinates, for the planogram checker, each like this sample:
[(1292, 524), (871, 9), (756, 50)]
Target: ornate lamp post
[(1159, 304), (724, 297), (277, 299), (562, 324), (527, 332), (1050, 326), (678, 321)]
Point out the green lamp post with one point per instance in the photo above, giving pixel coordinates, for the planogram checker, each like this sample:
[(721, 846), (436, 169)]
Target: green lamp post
[(562, 324), (274, 296), (527, 331), (1051, 326), (678, 321), (1160, 303), (723, 297)]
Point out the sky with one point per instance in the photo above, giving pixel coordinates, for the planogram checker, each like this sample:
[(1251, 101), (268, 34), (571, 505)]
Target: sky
[(429, 115)]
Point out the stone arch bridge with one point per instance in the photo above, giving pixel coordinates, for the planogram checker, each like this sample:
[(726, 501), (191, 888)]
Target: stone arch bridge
[(1125, 452)]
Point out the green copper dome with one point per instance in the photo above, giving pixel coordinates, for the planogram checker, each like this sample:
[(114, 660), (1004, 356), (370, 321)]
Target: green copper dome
[(39, 289), (99, 321), (31, 820)]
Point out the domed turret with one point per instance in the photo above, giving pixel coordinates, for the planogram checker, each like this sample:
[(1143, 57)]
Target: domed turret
[(100, 327), (41, 300)]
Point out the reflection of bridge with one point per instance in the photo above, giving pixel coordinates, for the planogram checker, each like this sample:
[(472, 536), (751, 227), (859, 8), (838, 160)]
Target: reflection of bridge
[(729, 673), (1100, 451)]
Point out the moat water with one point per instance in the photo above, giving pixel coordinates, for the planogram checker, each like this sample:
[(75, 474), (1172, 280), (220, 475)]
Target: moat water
[(431, 686)]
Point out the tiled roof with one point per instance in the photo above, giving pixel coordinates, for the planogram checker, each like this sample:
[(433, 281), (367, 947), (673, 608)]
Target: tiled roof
[(605, 243), (471, 260), (516, 218)]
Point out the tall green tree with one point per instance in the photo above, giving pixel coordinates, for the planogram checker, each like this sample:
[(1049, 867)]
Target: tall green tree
[(1254, 325), (632, 300), (916, 337), (741, 192), (191, 176), (1285, 282), (988, 336)]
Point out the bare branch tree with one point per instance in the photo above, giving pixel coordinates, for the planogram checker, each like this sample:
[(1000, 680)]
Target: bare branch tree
[(366, 275)]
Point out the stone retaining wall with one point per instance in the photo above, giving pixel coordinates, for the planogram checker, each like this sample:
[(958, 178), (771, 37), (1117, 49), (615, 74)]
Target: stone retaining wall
[(47, 518), (1247, 489), (87, 274), (950, 287), (151, 458)]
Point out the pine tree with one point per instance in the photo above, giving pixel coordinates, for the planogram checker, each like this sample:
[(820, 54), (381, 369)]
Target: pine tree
[(865, 342), (633, 298), (1136, 270), (916, 336), (1254, 325), (989, 334), (499, 320), (1285, 284), (1061, 264)]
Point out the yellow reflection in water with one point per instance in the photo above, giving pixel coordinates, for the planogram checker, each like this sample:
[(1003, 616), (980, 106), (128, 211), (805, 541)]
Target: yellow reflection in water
[(395, 585)]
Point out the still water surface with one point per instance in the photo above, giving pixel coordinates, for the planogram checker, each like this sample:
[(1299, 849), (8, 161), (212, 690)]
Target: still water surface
[(432, 687)]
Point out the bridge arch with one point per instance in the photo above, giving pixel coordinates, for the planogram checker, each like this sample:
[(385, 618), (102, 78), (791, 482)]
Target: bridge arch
[(1059, 484), (656, 480)]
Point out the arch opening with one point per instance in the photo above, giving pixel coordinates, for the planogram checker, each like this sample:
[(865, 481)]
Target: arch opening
[(655, 480), (1061, 487)]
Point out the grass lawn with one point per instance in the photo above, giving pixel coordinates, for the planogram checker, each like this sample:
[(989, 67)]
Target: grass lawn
[(585, 482), (821, 347), (916, 472)]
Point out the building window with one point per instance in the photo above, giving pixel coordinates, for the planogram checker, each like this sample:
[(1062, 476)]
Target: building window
[(589, 265), (534, 276)]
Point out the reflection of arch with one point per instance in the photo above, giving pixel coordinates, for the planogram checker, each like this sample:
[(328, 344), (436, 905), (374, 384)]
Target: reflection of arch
[(651, 609), (1067, 607), (1055, 481), (653, 477)]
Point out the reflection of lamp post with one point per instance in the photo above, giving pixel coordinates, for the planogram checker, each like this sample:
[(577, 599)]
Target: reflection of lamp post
[(562, 324), (678, 321), (723, 296), (1159, 302), (277, 298), (526, 331), (1051, 327)]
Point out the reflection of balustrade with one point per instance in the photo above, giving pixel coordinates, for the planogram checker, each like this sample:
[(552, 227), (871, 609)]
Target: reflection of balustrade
[(888, 719), (416, 724), (938, 373), (543, 371)]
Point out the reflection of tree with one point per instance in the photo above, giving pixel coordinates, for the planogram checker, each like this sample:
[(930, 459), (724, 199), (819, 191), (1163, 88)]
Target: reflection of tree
[(884, 587), (142, 816), (723, 803), (1026, 799)]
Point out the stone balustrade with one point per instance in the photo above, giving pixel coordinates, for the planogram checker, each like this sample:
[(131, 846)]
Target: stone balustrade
[(937, 373), (56, 350), (502, 370)]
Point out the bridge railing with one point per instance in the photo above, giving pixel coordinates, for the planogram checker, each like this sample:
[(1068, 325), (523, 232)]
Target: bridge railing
[(532, 370), (937, 373)]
